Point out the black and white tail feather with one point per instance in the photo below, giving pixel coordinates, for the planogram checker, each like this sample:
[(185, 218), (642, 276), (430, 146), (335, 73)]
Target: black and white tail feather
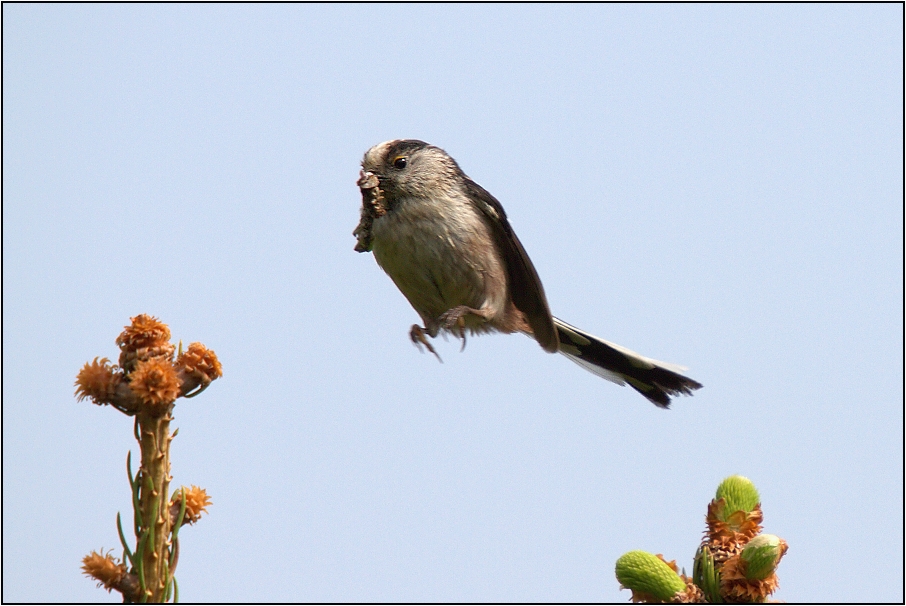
[(655, 380)]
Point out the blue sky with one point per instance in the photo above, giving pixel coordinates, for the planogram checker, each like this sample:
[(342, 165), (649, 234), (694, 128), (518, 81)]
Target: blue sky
[(719, 186)]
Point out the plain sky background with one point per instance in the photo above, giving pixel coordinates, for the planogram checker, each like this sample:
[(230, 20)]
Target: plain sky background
[(719, 186)]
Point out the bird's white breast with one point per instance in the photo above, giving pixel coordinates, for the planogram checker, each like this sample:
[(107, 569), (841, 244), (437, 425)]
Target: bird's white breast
[(440, 254)]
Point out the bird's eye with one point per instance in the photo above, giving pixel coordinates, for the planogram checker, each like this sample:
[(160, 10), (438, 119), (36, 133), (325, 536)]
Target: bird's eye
[(400, 162)]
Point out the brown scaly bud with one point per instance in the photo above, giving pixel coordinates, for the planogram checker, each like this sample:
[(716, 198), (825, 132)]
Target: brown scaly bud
[(111, 574), (728, 534), (98, 381), (197, 502), (198, 366), (692, 594), (750, 576), (155, 383), (104, 383), (146, 338), (105, 569)]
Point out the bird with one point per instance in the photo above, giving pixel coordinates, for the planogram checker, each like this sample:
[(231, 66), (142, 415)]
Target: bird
[(448, 246)]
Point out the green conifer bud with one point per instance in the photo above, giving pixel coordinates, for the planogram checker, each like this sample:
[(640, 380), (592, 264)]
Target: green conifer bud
[(761, 556), (739, 494), (645, 573)]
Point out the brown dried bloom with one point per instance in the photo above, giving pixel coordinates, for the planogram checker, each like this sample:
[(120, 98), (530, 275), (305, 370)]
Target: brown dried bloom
[(155, 382), (735, 587), (199, 366), (145, 331), (726, 538), (98, 380), (104, 568), (692, 594), (197, 501), (198, 359), (146, 338)]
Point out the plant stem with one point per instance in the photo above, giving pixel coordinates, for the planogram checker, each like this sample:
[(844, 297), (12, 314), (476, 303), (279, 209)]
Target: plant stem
[(154, 500)]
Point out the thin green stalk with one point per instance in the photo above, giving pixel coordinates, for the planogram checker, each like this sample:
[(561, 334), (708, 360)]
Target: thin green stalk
[(126, 552)]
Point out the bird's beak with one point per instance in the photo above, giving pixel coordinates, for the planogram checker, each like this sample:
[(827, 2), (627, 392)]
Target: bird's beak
[(367, 180)]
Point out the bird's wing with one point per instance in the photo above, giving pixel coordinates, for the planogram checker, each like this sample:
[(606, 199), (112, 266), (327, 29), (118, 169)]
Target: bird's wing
[(525, 285)]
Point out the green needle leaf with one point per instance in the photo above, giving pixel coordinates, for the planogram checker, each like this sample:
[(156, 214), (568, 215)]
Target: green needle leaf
[(119, 529)]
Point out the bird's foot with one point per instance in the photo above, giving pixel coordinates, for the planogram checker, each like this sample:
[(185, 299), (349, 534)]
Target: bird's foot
[(454, 321), (418, 336)]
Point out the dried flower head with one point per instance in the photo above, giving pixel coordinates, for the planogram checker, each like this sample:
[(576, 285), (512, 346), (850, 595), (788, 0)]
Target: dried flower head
[(146, 338), (198, 360), (738, 584), (198, 366), (155, 382), (197, 501), (692, 594), (728, 534), (145, 331), (107, 570), (98, 380)]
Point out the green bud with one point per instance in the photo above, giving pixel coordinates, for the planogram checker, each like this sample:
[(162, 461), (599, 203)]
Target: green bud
[(761, 556), (739, 493), (644, 572)]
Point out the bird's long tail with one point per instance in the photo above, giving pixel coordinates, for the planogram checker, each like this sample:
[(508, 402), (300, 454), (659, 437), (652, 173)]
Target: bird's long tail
[(655, 380)]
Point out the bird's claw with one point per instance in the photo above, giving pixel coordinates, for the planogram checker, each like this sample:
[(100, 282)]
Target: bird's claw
[(454, 321), (417, 334)]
